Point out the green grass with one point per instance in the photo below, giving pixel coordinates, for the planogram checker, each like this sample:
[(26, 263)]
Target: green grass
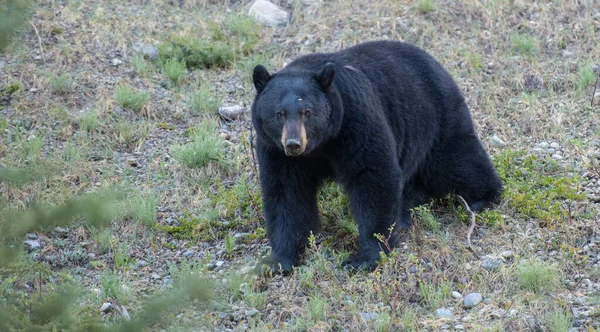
[(558, 321), (434, 295), (13, 15), (425, 6), (536, 187), (524, 44), (140, 65), (142, 207), (585, 77), (130, 98), (89, 121), (537, 277), (205, 100), (426, 218), (205, 147), (113, 288), (62, 83), (174, 69)]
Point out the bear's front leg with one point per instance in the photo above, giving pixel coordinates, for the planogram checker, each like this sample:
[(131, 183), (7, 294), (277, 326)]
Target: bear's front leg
[(289, 188), (375, 198)]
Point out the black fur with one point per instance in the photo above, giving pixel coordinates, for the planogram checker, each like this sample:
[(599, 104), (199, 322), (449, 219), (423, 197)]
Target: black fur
[(386, 121)]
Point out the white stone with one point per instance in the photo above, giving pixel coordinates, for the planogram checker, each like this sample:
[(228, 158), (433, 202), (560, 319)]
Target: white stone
[(497, 141), (457, 295), (269, 13)]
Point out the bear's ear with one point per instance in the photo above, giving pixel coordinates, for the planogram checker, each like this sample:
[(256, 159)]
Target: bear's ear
[(261, 77), (325, 77)]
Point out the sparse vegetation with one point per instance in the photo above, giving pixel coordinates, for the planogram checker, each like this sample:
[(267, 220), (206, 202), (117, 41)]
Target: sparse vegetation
[(130, 98), (188, 226)]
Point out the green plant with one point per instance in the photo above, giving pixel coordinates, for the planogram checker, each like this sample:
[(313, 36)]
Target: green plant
[(558, 321), (426, 218), (112, 287), (229, 244), (524, 44), (13, 14), (140, 65), (142, 206), (205, 101), (106, 241), (409, 320), (537, 277), (434, 296), (62, 83), (174, 69), (204, 148), (424, 6), (317, 308), (89, 121), (130, 98), (586, 77)]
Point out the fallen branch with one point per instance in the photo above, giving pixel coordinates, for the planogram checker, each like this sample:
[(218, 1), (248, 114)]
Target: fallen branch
[(39, 41), (471, 227)]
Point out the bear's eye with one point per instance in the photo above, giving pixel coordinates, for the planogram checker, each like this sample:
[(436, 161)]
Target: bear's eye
[(279, 115), (307, 113)]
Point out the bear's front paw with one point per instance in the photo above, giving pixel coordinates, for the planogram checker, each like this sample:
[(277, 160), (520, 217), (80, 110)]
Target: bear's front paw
[(272, 265), (362, 262)]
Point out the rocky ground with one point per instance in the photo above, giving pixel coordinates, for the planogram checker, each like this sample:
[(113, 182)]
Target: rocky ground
[(183, 158)]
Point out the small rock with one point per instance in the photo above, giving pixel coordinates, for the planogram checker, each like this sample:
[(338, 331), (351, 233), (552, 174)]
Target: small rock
[(149, 51), (555, 145), (443, 313), (32, 244), (241, 236), (155, 275), (568, 54), (491, 264), (497, 141), (210, 266), (188, 253), (596, 69), (246, 270), (106, 306), (497, 313), (61, 230), (412, 269), (457, 295), (487, 300), (459, 327), (230, 112), (506, 254), (557, 156), (219, 263), (367, 316), (269, 13), (141, 263), (586, 282), (115, 62), (472, 300), (251, 313), (467, 266), (167, 282), (512, 313), (543, 145), (31, 236)]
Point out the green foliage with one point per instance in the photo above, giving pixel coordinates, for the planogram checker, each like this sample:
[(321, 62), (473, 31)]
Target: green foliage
[(334, 206), (140, 65), (426, 218), (226, 44), (205, 147), (535, 187), (558, 321), (113, 288), (142, 207), (425, 6), (62, 83), (130, 98), (10, 89), (409, 320), (317, 308), (434, 295), (174, 69), (13, 14), (229, 244), (205, 100), (586, 77), (89, 121), (524, 44), (537, 277)]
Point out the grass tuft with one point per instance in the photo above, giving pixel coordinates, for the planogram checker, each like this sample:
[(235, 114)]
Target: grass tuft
[(558, 321), (524, 44), (142, 206), (205, 101), (204, 148), (537, 277), (174, 69), (130, 98), (425, 6)]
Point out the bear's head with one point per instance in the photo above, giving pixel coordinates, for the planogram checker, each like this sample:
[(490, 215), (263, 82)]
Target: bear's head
[(293, 108)]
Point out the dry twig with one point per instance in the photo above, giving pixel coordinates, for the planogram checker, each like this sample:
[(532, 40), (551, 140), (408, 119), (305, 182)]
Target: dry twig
[(39, 41), (472, 226)]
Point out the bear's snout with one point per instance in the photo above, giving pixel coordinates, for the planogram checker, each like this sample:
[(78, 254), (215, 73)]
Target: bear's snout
[(293, 138)]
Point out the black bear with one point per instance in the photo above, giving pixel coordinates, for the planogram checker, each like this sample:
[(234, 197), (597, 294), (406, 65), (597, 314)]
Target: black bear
[(382, 118)]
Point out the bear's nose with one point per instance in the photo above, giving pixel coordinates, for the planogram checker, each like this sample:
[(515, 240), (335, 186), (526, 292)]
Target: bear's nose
[(293, 144)]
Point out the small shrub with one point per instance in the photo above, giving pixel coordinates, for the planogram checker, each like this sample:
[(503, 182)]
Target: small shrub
[(317, 308), (434, 296), (205, 100), (105, 240), (198, 54), (229, 244), (205, 147), (382, 321), (130, 98), (427, 219), (174, 69), (140, 65), (425, 6), (409, 320), (524, 44), (537, 276)]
